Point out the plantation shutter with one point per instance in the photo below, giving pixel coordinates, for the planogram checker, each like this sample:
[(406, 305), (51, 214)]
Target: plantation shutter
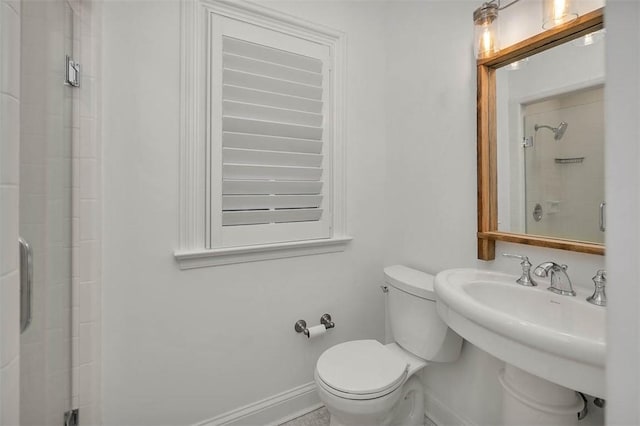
[(273, 155)]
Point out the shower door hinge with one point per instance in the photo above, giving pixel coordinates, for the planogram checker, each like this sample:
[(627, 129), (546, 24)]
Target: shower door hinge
[(72, 75), (72, 417), (527, 142)]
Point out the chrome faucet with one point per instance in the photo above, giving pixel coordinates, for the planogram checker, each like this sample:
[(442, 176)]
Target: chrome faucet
[(560, 282), (525, 279)]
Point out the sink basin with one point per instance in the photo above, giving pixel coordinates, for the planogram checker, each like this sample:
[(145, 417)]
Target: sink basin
[(558, 338)]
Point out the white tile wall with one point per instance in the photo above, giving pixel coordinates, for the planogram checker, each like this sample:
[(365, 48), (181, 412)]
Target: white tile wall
[(9, 317), (569, 193), (10, 45), (9, 393), (9, 179), (8, 253), (9, 113), (86, 232), (45, 154)]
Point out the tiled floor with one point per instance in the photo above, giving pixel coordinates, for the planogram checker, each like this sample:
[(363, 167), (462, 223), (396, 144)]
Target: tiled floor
[(319, 417)]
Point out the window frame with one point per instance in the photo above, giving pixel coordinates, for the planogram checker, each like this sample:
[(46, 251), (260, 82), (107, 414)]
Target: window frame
[(194, 173)]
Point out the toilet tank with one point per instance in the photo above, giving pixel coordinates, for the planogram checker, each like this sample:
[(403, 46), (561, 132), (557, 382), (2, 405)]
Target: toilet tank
[(414, 322)]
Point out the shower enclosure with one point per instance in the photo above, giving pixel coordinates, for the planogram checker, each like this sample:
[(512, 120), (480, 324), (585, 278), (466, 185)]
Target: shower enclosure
[(46, 134), (564, 166)]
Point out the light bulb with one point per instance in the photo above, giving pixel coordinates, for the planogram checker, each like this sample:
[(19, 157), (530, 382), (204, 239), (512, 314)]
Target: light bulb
[(487, 41), (557, 12)]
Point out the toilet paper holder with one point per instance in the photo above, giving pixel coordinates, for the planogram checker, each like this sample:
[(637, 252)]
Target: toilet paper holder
[(301, 325)]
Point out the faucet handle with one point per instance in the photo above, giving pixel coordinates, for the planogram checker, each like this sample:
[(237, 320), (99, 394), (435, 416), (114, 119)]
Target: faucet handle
[(525, 279), (516, 256), (599, 297)]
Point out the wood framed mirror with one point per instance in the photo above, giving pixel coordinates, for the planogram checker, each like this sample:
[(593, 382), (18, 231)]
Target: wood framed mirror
[(487, 139)]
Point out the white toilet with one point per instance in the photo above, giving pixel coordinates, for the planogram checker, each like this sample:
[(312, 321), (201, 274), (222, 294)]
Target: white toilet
[(365, 383)]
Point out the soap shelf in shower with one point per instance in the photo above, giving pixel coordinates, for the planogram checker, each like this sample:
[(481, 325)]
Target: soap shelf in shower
[(571, 160)]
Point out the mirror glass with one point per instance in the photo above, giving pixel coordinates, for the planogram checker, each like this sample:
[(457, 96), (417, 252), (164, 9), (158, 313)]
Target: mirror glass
[(550, 139)]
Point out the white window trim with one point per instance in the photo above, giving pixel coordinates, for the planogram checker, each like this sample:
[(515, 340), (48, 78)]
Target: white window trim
[(230, 255), (192, 226)]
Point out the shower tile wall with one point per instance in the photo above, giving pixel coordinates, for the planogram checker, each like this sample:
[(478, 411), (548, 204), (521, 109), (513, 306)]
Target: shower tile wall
[(9, 199), (570, 194), (45, 209), (86, 230)]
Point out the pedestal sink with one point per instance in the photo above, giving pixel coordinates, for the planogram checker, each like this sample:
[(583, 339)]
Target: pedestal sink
[(560, 339)]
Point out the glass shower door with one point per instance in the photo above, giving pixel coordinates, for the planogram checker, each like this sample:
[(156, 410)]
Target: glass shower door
[(46, 210)]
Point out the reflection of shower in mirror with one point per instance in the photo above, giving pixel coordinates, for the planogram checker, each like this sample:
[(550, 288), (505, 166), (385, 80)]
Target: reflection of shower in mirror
[(558, 132)]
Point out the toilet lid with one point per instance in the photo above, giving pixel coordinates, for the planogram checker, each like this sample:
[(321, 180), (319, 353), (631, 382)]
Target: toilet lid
[(361, 367)]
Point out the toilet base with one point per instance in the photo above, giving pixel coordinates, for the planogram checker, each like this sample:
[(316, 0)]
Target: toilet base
[(408, 410)]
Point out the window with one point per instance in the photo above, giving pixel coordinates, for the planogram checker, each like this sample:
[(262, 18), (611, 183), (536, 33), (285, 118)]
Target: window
[(261, 148)]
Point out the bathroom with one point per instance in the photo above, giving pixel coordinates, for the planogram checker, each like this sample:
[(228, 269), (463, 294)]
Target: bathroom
[(153, 342)]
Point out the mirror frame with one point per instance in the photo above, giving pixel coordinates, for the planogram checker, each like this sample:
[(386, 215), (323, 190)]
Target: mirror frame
[(488, 232)]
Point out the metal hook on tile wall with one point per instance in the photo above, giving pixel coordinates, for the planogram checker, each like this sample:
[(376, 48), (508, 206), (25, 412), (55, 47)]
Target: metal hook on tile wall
[(325, 320)]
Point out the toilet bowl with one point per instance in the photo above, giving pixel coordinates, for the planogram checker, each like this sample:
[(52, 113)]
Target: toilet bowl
[(362, 381), (366, 383)]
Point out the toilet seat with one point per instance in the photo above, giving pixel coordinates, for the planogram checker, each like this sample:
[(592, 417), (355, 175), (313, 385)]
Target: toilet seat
[(361, 369)]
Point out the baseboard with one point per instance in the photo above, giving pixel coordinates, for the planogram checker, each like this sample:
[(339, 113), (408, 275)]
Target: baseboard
[(301, 400), (271, 411), (438, 413)]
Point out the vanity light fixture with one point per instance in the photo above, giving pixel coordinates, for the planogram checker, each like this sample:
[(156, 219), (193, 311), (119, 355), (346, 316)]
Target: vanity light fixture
[(557, 12), (485, 19)]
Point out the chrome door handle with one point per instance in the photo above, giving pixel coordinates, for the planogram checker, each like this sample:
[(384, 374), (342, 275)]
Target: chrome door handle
[(26, 283), (603, 223)]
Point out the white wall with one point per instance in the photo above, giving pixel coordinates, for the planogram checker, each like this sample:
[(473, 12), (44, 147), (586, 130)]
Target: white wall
[(185, 346), (622, 106), (431, 178), (179, 347), (431, 151)]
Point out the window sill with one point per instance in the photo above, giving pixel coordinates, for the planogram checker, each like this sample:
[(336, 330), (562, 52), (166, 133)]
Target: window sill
[(226, 256)]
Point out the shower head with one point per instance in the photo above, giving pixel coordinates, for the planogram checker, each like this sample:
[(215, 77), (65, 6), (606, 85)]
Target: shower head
[(558, 132)]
